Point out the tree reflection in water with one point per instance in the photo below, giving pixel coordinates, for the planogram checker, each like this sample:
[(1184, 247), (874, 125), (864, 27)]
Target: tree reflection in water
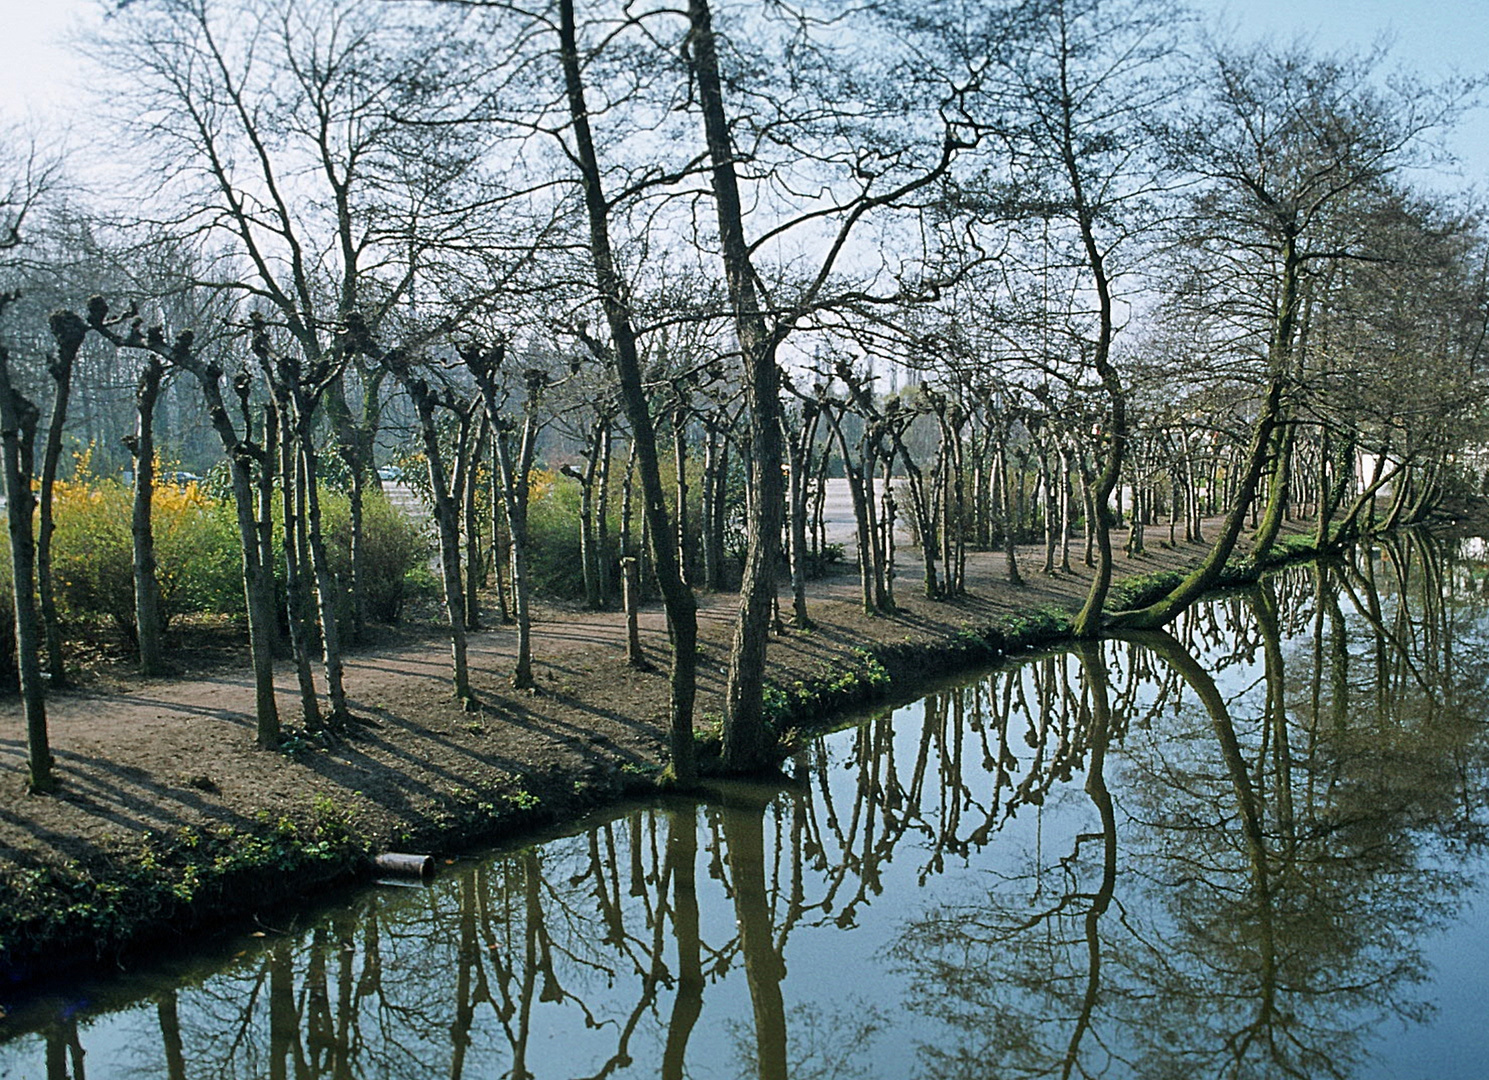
[(1285, 854), (1211, 852)]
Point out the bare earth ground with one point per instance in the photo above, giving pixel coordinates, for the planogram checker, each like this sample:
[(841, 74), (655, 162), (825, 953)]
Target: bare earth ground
[(138, 754), (140, 757)]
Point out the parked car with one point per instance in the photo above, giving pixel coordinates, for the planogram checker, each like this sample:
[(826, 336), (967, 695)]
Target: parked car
[(390, 474)]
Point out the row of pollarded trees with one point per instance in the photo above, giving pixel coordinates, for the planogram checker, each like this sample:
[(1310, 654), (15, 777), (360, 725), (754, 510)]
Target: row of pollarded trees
[(1112, 270)]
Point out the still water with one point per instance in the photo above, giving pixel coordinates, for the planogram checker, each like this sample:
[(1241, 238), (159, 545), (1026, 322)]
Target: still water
[(1253, 847)]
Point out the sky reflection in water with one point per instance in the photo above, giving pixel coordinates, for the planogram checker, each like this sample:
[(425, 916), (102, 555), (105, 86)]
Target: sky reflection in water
[(1250, 848)]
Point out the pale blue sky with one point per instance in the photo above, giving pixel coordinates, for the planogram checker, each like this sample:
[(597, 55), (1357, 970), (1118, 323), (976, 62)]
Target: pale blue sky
[(1433, 36)]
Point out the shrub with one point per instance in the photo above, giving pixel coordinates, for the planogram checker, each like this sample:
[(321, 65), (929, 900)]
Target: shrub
[(196, 550), (395, 553), (553, 537)]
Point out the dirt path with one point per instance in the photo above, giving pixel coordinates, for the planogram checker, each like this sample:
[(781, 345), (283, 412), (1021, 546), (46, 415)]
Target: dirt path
[(158, 756)]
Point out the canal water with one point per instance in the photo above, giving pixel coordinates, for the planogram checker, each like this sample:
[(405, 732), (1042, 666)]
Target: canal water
[(1252, 847)]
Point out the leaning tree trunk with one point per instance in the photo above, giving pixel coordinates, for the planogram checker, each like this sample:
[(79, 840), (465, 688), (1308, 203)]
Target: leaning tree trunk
[(1277, 497), (18, 420), (1168, 608), (677, 596)]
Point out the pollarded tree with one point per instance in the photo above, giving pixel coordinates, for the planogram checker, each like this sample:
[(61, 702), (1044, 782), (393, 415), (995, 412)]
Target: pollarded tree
[(307, 153), (247, 458)]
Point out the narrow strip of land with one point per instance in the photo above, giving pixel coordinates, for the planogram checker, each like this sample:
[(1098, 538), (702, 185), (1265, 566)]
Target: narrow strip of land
[(159, 756)]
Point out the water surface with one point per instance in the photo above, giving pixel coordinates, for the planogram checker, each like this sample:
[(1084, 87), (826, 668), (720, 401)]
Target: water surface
[(1253, 847)]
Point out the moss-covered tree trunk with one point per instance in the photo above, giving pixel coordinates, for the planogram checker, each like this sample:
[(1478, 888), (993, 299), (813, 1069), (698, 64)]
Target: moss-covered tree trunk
[(1165, 610)]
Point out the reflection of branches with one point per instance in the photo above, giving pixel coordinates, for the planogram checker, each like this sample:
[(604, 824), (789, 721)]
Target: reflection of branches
[(1267, 1018)]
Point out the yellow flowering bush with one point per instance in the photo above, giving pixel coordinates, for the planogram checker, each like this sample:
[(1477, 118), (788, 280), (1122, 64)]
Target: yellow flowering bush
[(196, 551)]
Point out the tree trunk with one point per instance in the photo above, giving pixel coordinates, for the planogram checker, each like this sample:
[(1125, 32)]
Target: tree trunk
[(1277, 497), (680, 462), (516, 474), (798, 447), (630, 572), (447, 522), (682, 607), (472, 517), (69, 331), (748, 742), (18, 420), (1165, 610), (325, 581), (148, 625), (296, 555)]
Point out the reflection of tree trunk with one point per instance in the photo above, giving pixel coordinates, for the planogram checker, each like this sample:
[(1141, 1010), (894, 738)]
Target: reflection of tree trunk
[(536, 962), (1199, 680), (346, 1011), (283, 1016), (64, 1050), (1101, 724), (468, 959), (1264, 601), (745, 835), (170, 1036), (682, 857)]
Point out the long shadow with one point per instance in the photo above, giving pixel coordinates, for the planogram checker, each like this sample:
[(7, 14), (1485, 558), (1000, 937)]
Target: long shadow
[(229, 715), (135, 809)]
